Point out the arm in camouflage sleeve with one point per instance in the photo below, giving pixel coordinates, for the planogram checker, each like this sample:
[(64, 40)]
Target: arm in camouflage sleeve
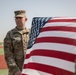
[(9, 56)]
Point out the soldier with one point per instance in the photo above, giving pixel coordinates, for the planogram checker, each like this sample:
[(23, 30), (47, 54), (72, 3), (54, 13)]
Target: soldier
[(15, 44)]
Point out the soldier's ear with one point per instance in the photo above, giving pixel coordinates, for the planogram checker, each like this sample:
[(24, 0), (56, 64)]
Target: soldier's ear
[(25, 19)]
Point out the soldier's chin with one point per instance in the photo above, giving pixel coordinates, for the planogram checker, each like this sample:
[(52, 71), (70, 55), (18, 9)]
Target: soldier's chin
[(20, 25)]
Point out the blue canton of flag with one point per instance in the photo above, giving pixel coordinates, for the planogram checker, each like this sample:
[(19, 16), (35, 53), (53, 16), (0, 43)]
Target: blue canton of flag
[(37, 24)]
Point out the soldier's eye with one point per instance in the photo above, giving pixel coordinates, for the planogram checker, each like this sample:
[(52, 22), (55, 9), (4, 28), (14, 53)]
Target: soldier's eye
[(18, 17)]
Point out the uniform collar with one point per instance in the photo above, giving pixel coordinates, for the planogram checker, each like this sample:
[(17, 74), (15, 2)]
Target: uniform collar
[(22, 31)]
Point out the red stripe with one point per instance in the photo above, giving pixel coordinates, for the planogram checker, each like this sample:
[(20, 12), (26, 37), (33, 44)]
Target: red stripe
[(27, 56), (24, 74), (56, 40), (48, 69), (59, 28), (62, 20), (51, 53)]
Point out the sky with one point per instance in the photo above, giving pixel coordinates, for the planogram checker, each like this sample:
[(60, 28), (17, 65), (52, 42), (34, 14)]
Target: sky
[(34, 8)]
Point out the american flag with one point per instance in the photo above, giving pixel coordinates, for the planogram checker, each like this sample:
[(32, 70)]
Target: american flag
[(52, 47)]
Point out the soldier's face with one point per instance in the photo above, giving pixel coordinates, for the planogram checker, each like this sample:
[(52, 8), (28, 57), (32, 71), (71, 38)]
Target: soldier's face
[(20, 22)]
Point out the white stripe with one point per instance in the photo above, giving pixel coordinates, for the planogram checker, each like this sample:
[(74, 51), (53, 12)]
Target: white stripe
[(71, 35), (26, 61), (29, 50), (68, 24), (59, 63), (64, 18), (55, 46), (30, 72), (34, 72)]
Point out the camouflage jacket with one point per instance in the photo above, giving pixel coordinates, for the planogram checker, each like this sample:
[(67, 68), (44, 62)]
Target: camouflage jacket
[(15, 45)]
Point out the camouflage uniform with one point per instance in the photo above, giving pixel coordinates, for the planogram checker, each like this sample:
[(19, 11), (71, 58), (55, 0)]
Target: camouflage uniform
[(15, 45)]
